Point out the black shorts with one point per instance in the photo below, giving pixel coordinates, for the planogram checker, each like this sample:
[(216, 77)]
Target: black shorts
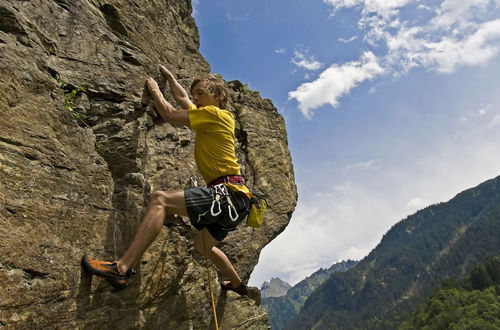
[(219, 217)]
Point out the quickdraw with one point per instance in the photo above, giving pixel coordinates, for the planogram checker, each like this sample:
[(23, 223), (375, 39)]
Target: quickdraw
[(216, 208)]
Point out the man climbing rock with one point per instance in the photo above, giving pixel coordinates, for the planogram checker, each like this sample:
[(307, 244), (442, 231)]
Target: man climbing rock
[(215, 209)]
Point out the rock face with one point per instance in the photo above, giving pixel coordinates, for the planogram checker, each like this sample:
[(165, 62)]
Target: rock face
[(81, 150)]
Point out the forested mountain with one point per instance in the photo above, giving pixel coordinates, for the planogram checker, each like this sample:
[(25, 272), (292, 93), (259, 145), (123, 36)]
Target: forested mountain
[(471, 303), (282, 309), (441, 241)]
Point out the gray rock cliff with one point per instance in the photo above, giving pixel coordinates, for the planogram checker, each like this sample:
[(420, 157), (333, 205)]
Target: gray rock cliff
[(81, 149)]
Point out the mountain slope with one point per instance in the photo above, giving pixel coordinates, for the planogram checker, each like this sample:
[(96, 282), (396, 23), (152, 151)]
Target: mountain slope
[(471, 303), (282, 309), (441, 241)]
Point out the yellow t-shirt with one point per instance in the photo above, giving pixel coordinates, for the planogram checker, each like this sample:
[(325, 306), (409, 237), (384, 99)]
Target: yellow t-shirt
[(214, 147)]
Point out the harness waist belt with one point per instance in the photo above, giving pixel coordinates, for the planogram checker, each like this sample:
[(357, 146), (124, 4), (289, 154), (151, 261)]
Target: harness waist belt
[(228, 179)]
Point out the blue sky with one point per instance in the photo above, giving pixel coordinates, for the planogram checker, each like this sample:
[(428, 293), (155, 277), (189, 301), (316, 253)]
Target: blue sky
[(390, 106)]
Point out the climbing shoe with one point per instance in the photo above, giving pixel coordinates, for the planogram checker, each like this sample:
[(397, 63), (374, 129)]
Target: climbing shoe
[(242, 289), (107, 270)]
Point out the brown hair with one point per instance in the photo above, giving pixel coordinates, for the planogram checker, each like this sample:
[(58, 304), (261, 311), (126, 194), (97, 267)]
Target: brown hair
[(215, 86)]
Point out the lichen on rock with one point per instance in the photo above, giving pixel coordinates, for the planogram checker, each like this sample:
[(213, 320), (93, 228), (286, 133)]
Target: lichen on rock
[(73, 184)]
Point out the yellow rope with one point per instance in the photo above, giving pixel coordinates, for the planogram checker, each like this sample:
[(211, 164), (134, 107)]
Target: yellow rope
[(209, 281)]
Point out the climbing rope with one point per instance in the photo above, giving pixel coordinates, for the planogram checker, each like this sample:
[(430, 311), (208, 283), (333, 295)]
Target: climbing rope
[(209, 282)]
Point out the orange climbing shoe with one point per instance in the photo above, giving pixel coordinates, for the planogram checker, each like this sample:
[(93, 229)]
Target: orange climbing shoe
[(107, 270)]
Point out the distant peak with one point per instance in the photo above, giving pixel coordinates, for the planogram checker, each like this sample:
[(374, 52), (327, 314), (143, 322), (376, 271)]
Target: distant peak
[(276, 287)]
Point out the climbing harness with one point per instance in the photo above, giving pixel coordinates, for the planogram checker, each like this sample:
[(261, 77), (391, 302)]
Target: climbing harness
[(210, 282), (238, 179)]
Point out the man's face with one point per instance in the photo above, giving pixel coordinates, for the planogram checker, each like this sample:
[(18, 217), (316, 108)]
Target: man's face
[(201, 98)]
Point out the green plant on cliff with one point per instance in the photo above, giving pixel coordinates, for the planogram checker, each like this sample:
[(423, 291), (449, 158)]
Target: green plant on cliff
[(69, 93), (243, 89)]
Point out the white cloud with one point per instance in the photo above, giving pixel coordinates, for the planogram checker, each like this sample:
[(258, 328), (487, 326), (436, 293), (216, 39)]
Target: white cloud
[(280, 51), (457, 35), (372, 164), (339, 4), (307, 76), (409, 49), (346, 41), (449, 53), (417, 203), (383, 8), (459, 11), (484, 116), (244, 17), (335, 82), (495, 121), (324, 230), (195, 4), (424, 7), (302, 59), (454, 37), (343, 187), (484, 109)]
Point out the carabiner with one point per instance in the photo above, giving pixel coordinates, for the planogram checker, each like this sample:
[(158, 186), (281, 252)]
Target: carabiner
[(231, 209), (212, 209)]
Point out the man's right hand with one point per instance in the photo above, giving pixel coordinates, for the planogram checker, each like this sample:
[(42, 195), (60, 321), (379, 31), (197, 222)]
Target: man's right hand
[(166, 73), (178, 92)]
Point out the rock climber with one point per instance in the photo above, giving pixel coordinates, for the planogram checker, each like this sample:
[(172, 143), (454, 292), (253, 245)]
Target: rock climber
[(215, 209)]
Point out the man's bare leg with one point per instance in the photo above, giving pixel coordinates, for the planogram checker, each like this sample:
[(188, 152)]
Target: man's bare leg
[(204, 243), (162, 203)]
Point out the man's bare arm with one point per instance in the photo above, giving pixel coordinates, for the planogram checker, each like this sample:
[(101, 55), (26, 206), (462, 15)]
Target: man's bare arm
[(167, 112), (178, 92)]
